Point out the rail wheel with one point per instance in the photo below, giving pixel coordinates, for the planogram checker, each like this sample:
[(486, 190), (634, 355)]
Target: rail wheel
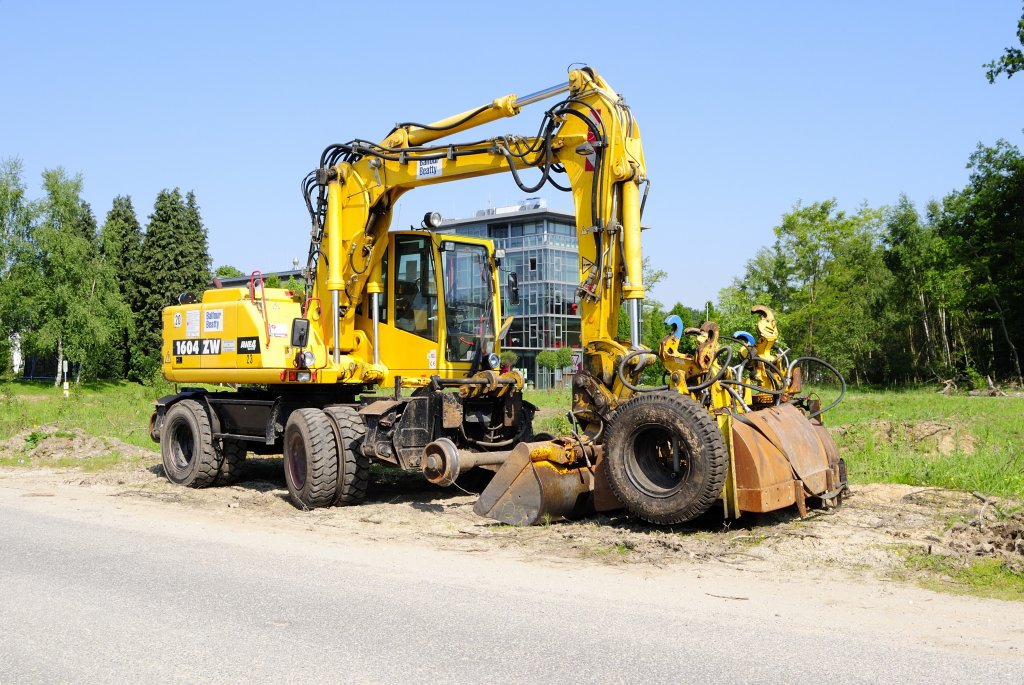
[(353, 466), (186, 446), (310, 459), (666, 459)]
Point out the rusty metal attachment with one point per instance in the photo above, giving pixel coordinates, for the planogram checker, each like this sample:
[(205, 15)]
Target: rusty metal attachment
[(781, 459), (759, 444), (541, 481)]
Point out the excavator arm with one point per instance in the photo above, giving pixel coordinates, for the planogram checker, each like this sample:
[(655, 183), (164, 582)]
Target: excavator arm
[(589, 139)]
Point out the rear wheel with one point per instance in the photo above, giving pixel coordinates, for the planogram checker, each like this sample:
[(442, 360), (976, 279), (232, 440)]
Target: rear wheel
[(310, 459), (186, 446), (666, 459), (353, 466), (232, 458)]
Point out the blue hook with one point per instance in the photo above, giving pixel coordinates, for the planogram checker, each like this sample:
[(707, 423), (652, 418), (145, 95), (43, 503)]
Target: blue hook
[(677, 325), (745, 337)]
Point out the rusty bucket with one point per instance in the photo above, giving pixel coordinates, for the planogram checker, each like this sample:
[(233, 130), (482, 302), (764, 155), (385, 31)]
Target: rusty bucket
[(781, 459), (536, 483)]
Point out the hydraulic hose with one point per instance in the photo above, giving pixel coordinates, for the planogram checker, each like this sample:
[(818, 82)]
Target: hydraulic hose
[(622, 374), (835, 372), (690, 388), (718, 376)]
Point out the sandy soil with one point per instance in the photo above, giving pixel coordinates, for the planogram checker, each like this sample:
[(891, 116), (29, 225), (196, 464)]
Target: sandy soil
[(867, 537)]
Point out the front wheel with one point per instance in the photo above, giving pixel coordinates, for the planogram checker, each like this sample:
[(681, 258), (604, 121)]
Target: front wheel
[(665, 458)]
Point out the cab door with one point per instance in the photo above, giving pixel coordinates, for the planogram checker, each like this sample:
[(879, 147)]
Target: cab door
[(410, 329)]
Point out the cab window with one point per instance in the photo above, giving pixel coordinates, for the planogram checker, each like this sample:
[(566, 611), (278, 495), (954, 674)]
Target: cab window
[(415, 287)]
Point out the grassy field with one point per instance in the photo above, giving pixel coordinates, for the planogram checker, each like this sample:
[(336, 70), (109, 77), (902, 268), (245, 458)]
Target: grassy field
[(919, 437), (913, 436), (117, 410)]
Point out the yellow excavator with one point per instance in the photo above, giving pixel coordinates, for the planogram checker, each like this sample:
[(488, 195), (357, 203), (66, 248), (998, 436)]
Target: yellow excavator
[(390, 351)]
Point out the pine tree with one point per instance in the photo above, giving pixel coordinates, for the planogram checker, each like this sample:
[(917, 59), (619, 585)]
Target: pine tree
[(199, 264), (174, 260), (121, 247)]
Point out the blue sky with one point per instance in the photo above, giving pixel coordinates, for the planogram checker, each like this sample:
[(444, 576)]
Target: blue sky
[(745, 108)]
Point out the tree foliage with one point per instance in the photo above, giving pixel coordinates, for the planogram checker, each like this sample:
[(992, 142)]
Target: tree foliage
[(121, 247), (228, 271), (60, 296), (824, 275), (1012, 59), (174, 259)]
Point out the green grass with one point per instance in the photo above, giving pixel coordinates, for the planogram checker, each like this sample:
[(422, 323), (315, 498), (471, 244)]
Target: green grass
[(117, 410), (976, 577), (991, 427), (553, 405), (92, 464)]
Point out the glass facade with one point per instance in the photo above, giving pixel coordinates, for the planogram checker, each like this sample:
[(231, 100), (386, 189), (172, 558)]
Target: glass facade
[(540, 247)]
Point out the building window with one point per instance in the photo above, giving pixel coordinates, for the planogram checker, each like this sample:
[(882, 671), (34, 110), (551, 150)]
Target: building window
[(533, 263)]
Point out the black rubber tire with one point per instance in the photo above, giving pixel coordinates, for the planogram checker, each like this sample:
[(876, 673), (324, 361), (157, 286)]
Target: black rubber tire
[(637, 448), (232, 459), (310, 459), (353, 466), (186, 446)]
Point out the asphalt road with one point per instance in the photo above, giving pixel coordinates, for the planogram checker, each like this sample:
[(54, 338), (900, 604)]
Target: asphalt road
[(125, 597)]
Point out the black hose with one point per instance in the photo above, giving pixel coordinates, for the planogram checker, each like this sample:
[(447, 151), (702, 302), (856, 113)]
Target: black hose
[(834, 370), (622, 376), (718, 376)]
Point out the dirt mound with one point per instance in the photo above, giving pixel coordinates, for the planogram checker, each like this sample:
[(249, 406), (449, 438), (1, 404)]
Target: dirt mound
[(997, 531), (934, 437), (53, 445)]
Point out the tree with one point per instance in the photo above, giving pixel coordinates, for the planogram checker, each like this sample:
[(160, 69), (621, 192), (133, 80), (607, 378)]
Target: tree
[(67, 297), (174, 260), (547, 359), (509, 358), (983, 228), (826, 281), (121, 247), (227, 271), (17, 215), (563, 358), (296, 286), (1012, 59)]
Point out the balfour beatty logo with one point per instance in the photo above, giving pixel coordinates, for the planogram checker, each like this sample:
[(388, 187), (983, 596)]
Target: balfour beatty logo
[(248, 346)]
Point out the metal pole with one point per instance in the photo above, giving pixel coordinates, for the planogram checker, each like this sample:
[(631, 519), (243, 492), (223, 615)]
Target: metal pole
[(334, 315), (542, 94), (634, 322), (374, 305)]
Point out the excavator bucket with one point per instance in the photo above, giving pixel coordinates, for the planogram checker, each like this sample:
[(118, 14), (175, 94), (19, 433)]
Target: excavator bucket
[(535, 484), (782, 458)]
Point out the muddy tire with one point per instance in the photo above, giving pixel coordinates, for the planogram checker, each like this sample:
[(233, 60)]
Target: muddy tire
[(353, 466), (310, 459), (232, 459), (186, 446), (643, 436)]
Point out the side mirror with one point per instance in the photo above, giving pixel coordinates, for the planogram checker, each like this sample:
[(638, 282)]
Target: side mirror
[(300, 332), (513, 288)]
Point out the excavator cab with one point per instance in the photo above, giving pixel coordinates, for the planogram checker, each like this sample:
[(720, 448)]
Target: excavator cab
[(440, 306)]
